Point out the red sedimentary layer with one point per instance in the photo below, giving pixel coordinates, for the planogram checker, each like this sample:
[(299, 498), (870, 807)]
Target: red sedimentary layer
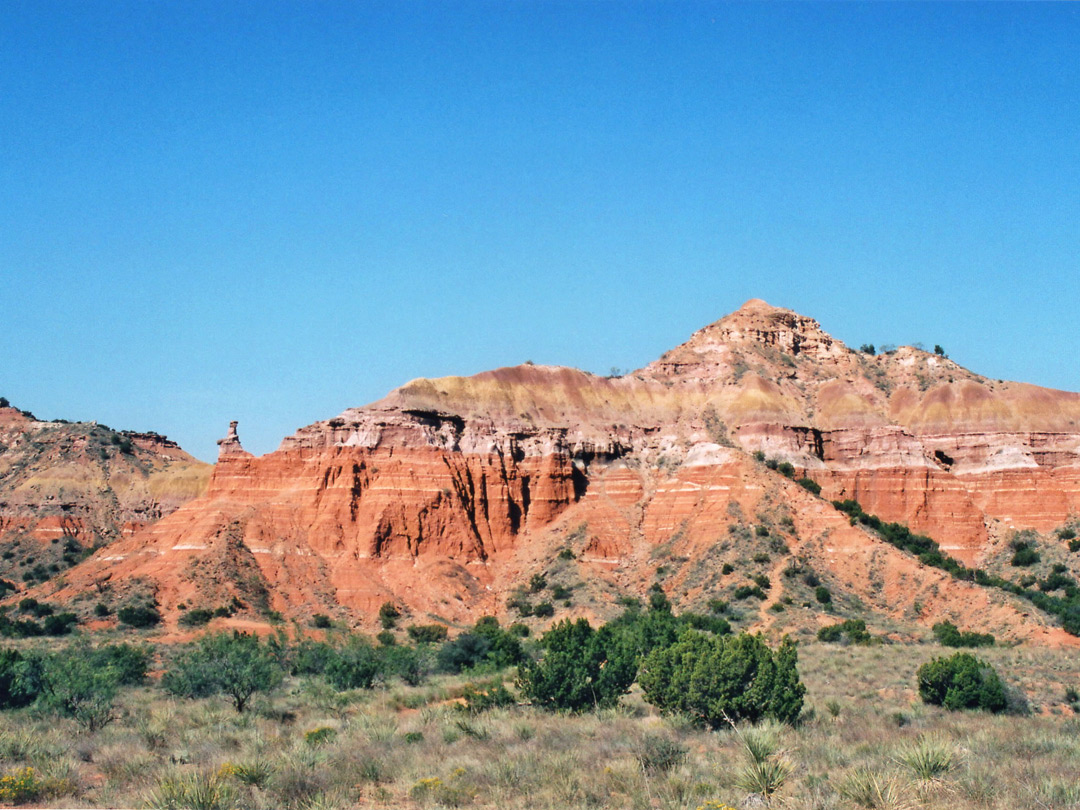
[(447, 494)]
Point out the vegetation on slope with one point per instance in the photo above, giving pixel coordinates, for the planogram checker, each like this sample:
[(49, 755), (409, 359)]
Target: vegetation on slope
[(1066, 607)]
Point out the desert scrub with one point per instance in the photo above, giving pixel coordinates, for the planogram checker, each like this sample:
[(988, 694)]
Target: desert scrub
[(658, 754), (21, 786), (318, 736), (453, 791)]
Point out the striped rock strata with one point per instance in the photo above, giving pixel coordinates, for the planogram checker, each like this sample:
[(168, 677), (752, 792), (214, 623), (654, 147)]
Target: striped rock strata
[(449, 493)]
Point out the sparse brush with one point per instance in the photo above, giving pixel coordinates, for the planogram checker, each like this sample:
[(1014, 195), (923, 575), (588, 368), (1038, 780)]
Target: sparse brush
[(867, 789), (524, 731), (764, 778), (660, 754), (155, 728), (298, 779), (324, 801), (471, 729), (25, 746), (1058, 793), (928, 758)]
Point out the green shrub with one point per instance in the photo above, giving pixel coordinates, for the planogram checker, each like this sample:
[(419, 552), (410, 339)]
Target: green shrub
[(949, 635), (386, 638), (320, 735), (580, 669), (310, 657), (356, 665), (713, 679), (961, 681), (75, 685), (658, 600), (1025, 556), (485, 696), (712, 624), (544, 610), (405, 663), (388, 615), (521, 604), (321, 621), (59, 624), (139, 616), (822, 595), (746, 591), (560, 592), (853, 629), (16, 689), (810, 485), (466, 651), (235, 664), (130, 662), (486, 646), (197, 617), (427, 633)]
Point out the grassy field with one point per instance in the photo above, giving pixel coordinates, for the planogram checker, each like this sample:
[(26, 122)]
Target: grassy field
[(866, 741)]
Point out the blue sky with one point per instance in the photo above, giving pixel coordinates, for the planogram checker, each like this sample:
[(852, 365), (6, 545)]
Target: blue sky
[(273, 211)]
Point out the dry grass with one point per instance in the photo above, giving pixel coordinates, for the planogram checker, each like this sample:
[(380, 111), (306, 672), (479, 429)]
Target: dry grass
[(409, 748)]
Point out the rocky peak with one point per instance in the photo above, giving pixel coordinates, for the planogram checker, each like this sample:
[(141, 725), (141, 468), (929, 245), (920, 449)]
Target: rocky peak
[(717, 352), (756, 323)]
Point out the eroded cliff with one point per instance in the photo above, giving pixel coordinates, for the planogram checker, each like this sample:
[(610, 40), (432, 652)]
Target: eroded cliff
[(447, 495)]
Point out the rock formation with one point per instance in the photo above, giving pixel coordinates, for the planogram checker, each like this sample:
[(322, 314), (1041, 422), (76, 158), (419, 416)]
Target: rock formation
[(67, 487), (447, 495)]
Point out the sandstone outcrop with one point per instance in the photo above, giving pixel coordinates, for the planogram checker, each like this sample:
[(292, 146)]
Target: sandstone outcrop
[(449, 493)]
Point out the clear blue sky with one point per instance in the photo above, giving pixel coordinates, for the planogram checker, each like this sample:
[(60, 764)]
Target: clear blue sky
[(273, 211)]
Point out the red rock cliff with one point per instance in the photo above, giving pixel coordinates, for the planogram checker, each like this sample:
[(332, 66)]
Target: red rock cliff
[(449, 491)]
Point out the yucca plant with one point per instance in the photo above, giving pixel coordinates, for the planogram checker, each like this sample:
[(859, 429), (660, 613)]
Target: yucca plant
[(761, 741), (196, 791), (929, 759), (868, 789), (764, 778), (255, 773)]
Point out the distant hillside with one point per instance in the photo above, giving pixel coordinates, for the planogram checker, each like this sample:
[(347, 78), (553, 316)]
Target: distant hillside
[(67, 488)]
